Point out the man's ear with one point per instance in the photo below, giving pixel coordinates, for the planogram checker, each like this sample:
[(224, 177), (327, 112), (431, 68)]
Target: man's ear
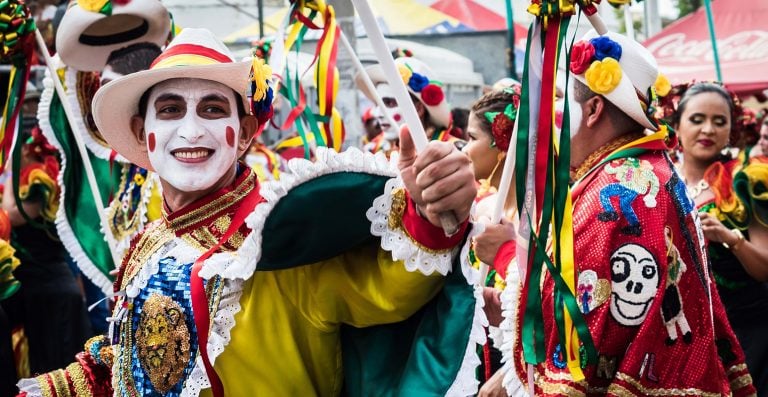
[(137, 128), (248, 126), (594, 109)]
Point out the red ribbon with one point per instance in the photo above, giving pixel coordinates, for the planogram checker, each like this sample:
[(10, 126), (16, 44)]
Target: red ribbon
[(200, 299)]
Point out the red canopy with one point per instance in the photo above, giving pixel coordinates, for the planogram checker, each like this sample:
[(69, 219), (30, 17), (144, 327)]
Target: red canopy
[(478, 17), (684, 51)]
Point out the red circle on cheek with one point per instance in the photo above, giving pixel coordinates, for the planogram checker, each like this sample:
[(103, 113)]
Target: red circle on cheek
[(397, 117), (151, 141), (230, 136)]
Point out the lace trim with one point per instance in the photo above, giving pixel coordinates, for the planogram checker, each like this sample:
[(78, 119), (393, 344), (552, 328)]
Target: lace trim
[(466, 382), (30, 386), (64, 230), (152, 266), (399, 242), (510, 298), (98, 149), (219, 338), (298, 171)]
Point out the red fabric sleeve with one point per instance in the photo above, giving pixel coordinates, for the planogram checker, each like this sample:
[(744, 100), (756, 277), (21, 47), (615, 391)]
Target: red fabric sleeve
[(427, 234), (504, 256)]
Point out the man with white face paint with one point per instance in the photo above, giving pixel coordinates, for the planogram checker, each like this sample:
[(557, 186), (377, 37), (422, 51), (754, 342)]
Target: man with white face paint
[(634, 226), (288, 282), (427, 94)]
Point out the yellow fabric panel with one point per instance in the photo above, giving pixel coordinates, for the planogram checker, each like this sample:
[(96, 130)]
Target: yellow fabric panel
[(286, 338)]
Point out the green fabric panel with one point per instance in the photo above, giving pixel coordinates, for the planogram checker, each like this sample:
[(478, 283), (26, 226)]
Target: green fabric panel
[(319, 219), (417, 357), (78, 201), (421, 356)]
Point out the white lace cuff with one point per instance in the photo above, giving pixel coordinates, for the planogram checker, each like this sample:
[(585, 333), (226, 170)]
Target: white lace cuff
[(394, 238)]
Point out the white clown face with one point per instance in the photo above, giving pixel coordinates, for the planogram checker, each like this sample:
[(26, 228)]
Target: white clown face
[(634, 282), (191, 131), (388, 97)]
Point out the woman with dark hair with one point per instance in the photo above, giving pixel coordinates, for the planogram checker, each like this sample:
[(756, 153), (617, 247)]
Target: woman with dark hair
[(727, 193), (489, 132)]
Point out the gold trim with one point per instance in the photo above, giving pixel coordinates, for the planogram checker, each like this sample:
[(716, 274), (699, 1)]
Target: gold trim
[(663, 392), (620, 391), (395, 221), (737, 368), (154, 237), (79, 380), (561, 389), (214, 207), (742, 381), (60, 383), (594, 159), (45, 387)]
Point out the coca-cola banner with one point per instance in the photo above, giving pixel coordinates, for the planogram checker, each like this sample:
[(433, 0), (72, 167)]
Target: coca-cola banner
[(684, 50)]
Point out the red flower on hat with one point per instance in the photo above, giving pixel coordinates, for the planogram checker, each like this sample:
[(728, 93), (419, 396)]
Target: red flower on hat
[(432, 95), (502, 131), (582, 55)]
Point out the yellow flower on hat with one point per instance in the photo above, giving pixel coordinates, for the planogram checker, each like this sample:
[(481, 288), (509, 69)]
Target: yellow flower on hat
[(261, 73), (662, 86), (92, 5), (603, 76), (405, 73)]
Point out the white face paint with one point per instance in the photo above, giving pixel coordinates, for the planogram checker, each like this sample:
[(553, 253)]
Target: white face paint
[(191, 132), (574, 110), (387, 94)]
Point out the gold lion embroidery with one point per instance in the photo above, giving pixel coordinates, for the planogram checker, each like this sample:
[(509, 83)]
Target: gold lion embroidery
[(162, 340)]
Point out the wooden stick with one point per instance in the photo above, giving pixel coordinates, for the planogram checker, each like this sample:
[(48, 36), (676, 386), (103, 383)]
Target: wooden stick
[(447, 219), (368, 83)]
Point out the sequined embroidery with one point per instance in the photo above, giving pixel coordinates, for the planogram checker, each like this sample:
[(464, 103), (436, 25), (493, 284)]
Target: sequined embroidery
[(127, 210), (635, 178), (162, 341), (591, 291), (672, 303), (684, 208), (634, 283)]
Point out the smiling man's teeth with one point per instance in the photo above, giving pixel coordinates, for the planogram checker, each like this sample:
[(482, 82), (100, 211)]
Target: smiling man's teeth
[(191, 155)]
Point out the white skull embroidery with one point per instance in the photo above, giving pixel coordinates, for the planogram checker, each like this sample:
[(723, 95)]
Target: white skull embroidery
[(634, 283)]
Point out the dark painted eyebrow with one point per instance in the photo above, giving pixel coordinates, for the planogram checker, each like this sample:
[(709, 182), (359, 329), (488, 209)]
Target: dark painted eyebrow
[(169, 97), (215, 97)]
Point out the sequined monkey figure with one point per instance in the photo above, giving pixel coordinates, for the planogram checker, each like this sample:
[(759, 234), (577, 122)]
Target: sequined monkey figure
[(672, 303), (635, 177)]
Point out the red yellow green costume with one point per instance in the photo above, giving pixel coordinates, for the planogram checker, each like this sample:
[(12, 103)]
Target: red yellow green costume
[(303, 298), (643, 286)]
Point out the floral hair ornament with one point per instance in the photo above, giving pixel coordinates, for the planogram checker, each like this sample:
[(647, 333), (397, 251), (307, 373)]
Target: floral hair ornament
[(261, 91), (502, 124), (598, 59)]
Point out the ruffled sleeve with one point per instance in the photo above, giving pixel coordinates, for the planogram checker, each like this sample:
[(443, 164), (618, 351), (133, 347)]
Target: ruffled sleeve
[(751, 187)]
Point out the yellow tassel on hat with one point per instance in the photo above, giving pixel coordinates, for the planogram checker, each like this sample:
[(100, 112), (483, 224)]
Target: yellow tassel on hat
[(261, 73)]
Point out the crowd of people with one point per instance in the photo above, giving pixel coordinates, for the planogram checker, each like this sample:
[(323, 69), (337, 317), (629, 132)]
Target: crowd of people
[(228, 266)]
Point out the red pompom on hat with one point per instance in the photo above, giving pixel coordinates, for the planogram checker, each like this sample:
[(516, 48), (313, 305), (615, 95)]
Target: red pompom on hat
[(432, 95)]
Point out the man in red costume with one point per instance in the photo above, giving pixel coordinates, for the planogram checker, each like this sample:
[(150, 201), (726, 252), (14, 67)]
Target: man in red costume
[(642, 280)]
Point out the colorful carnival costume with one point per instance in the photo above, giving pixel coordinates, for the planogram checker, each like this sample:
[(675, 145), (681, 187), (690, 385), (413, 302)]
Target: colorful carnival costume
[(305, 292), (636, 290), (49, 305), (82, 54), (642, 284), (740, 199)]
